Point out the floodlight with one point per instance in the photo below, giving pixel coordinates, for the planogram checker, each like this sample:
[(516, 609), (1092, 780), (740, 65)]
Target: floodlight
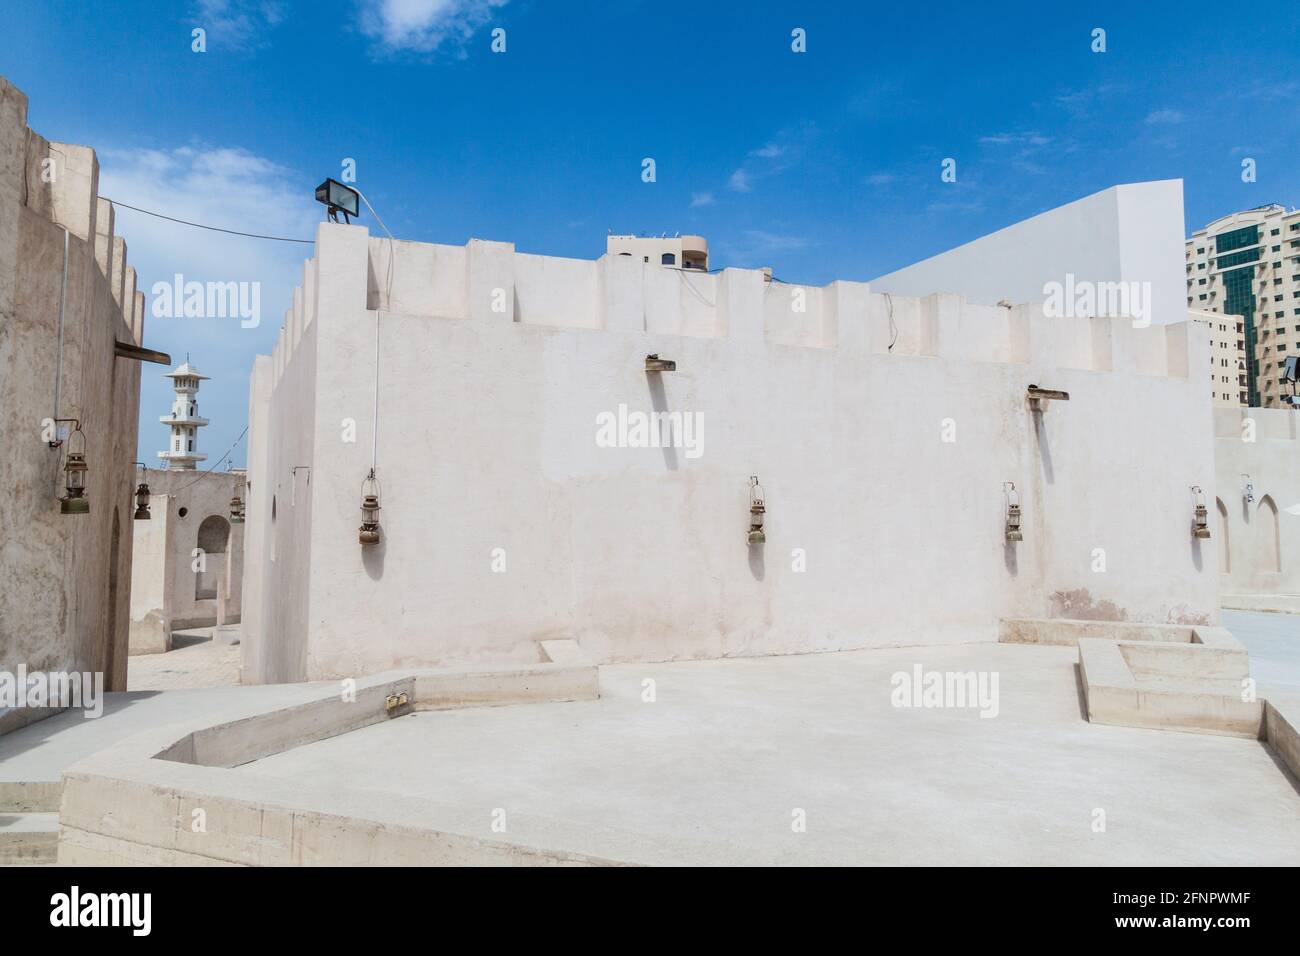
[(338, 199)]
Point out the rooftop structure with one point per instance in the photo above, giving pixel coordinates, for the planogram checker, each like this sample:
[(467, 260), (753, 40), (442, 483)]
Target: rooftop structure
[(683, 252)]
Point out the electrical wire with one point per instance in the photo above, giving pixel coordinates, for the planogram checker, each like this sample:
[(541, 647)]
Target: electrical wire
[(695, 292), (214, 464), (388, 295), (388, 304), (199, 225)]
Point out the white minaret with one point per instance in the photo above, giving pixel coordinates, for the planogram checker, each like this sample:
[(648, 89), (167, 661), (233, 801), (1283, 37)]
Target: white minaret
[(183, 449)]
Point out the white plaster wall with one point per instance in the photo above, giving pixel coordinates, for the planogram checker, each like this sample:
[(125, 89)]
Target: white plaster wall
[(487, 440), (64, 603), (150, 603), (1132, 233), (1260, 538), (254, 653)]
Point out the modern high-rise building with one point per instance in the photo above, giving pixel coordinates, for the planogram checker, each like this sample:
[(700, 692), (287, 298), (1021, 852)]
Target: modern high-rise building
[(1247, 264)]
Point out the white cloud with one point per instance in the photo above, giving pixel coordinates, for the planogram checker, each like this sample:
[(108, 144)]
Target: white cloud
[(945, 206), (1164, 117), (423, 26), (757, 247), (238, 24), (1016, 139), (701, 199), (782, 152), (232, 189)]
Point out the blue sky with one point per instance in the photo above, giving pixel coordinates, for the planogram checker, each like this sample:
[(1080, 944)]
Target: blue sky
[(824, 164)]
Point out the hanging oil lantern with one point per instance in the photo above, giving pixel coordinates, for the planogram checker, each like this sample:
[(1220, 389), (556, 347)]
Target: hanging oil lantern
[(142, 496), (756, 511), (1013, 512), (237, 506), (1200, 517), (74, 469), (369, 533)]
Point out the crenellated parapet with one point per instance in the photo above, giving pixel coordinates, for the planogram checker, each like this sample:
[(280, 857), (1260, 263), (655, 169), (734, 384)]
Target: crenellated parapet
[(492, 282), (59, 182)]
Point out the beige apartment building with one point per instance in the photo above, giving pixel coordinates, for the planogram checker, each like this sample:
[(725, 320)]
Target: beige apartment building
[(1247, 265), (1227, 357), (683, 252)]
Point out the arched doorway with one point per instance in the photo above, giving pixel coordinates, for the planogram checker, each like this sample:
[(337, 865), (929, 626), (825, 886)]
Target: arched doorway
[(214, 536)]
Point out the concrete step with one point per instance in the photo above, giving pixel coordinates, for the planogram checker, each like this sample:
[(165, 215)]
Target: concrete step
[(28, 839), (30, 796)]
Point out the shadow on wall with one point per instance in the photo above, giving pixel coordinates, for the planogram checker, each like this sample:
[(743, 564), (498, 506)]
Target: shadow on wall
[(1225, 551), (659, 402), (1044, 446), (1268, 536)]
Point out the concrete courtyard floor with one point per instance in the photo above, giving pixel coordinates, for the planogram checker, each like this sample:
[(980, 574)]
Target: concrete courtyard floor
[(716, 769), (195, 661), (713, 769)]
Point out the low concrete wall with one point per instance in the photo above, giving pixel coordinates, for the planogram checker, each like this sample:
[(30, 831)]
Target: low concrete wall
[(1066, 633), (1283, 737), (1272, 603)]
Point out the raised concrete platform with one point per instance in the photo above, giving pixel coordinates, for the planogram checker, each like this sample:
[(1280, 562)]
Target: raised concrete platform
[(704, 762), (1165, 686)]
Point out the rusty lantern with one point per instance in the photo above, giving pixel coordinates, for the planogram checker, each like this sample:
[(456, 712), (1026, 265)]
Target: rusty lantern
[(1201, 516), (74, 469), (1013, 512), (369, 532), (757, 510)]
